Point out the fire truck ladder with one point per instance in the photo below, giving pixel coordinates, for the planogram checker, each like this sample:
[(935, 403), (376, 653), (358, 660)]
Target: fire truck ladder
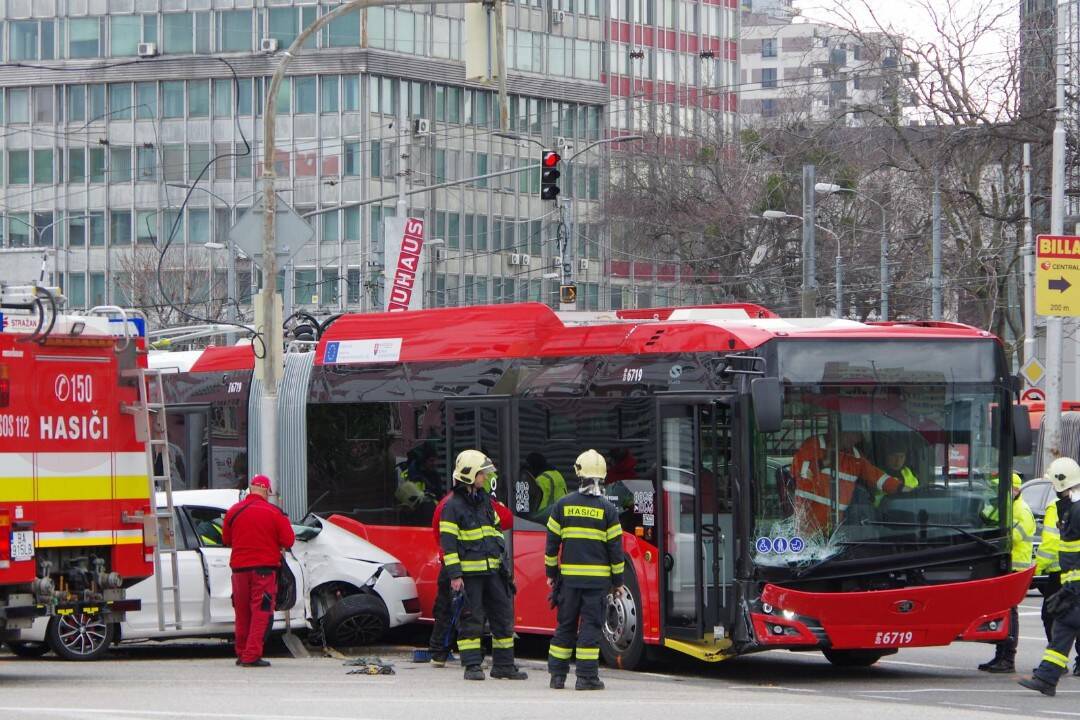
[(151, 428)]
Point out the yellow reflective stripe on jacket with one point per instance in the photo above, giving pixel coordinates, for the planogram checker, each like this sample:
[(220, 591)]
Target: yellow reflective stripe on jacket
[(1069, 545), (614, 531), (480, 565), (560, 653), (586, 570), (478, 533), (618, 568), (554, 526), (1070, 576), (450, 528), (551, 560), (1055, 658), (472, 644), (580, 533), (451, 559)]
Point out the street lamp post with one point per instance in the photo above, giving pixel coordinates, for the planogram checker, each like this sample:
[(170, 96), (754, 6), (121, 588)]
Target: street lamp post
[(430, 246), (833, 188), (781, 215)]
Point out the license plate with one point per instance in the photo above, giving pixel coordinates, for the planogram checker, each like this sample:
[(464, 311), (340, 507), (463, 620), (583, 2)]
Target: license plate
[(22, 545), (896, 638)]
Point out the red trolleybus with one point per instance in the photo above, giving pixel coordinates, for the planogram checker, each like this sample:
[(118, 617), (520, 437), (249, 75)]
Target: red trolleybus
[(702, 413)]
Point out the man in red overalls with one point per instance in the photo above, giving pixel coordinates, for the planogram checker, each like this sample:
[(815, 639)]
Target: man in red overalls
[(257, 531)]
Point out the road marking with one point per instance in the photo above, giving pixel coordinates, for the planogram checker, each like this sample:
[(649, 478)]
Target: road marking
[(76, 711), (772, 687), (919, 664), (881, 697), (1060, 712), (1041, 639), (1033, 612), (979, 707)]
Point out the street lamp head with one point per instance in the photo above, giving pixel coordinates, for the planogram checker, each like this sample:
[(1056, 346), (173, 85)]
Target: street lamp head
[(777, 215), (828, 188), (214, 245), (627, 138), (550, 275)]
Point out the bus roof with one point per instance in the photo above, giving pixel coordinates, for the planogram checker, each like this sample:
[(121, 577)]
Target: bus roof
[(535, 330)]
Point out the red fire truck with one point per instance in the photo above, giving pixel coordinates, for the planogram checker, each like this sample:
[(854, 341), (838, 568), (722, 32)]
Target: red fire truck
[(76, 520), (702, 413)]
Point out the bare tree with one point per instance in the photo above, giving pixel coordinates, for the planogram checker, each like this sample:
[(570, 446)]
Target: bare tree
[(174, 296)]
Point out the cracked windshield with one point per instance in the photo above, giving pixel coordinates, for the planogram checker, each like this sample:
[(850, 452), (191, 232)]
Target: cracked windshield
[(869, 469)]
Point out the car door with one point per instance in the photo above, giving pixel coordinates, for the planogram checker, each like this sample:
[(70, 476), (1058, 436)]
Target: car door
[(144, 622)]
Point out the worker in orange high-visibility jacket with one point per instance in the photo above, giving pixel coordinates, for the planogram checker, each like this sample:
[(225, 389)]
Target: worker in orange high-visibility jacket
[(816, 491)]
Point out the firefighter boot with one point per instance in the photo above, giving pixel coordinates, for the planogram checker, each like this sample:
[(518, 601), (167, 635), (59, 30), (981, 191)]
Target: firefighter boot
[(1002, 665), (985, 667), (1076, 668), (473, 672), (558, 682), (509, 672), (1039, 685), (589, 684)]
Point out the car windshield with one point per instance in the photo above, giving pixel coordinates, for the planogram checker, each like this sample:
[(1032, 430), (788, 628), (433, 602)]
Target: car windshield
[(864, 470)]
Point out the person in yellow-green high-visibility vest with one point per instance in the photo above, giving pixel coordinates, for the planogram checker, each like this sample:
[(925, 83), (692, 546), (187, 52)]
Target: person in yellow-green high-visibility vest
[(896, 465), (548, 481), (1023, 539)]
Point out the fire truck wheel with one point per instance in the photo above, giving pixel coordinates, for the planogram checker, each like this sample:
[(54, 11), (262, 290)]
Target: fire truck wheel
[(853, 658), (622, 640), (80, 636), (28, 649), (355, 620)]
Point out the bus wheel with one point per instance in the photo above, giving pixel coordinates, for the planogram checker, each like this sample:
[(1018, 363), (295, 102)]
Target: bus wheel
[(854, 658), (622, 640)]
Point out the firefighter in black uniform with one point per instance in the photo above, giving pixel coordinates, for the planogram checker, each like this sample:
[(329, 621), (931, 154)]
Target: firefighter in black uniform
[(587, 528), (1064, 605), (472, 549)]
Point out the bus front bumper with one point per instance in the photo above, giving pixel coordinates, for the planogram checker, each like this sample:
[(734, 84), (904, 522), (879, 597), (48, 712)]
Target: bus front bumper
[(920, 616)]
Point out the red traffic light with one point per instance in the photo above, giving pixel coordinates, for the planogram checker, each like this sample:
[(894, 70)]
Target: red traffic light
[(550, 159)]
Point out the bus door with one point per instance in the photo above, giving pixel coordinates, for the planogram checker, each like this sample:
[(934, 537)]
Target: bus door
[(696, 521), (483, 423)]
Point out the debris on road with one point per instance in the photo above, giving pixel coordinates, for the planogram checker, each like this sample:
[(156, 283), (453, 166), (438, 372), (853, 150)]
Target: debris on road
[(369, 666)]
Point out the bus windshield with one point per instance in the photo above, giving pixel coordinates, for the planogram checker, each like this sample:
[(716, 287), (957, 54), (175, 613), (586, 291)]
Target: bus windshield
[(860, 471)]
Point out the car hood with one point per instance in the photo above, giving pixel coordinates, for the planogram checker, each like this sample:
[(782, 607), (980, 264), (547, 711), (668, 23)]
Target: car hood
[(334, 540)]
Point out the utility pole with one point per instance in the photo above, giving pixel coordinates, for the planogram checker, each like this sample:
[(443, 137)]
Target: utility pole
[(935, 248), (809, 284), (1028, 253), (566, 207), (884, 267), (1054, 323), (500, 64)]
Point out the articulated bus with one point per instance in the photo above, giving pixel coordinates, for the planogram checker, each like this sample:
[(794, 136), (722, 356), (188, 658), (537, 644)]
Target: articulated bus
[(702, 413)]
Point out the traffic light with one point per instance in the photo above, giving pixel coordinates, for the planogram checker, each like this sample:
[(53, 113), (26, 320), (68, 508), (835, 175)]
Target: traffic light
[(549, 175)]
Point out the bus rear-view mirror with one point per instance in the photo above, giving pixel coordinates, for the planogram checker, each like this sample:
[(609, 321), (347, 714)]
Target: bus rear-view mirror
[(768, 397), (1022, 443)]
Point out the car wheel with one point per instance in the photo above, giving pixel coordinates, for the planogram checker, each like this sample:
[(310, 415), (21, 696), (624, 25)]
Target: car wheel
[(355, 620), (80, 636), (28, 649), (854, 658), (622, 639)]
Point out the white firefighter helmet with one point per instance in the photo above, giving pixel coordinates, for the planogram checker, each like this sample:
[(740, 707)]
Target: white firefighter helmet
[(590, 465), (470, 462), (408, 494), (1063, 474)]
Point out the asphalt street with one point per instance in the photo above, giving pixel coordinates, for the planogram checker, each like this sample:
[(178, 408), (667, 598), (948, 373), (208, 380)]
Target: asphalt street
[(199, 680)]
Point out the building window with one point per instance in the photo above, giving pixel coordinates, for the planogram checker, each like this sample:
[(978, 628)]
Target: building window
[(354, 158), (768, 77), (97, 165), (76, 289), (76, 104), (768, 107), (146, 227), (305, 101), (84, 37), (284, 25), (351, 92), (198, 159), (328, 94), (768, 47), (345, 31), (119, 164), (120, 227), (120, 101), (125, 34), (177, 33), (18, 167), (43, 104), (18, 105), (198, 95), (146, 100), (97, 98), (146, 164), (223, 104), (331, 231), (172, 99), (234, 31)]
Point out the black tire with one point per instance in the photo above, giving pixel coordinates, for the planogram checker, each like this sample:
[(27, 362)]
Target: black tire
[(622, 637), (28, 649), (355, 620), (80, 636), (854, 658)]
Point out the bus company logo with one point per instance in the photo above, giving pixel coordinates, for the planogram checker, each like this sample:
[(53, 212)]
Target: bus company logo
[(675, 374)]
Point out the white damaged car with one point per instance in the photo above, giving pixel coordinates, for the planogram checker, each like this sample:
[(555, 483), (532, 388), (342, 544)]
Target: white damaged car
[(351, 590)]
